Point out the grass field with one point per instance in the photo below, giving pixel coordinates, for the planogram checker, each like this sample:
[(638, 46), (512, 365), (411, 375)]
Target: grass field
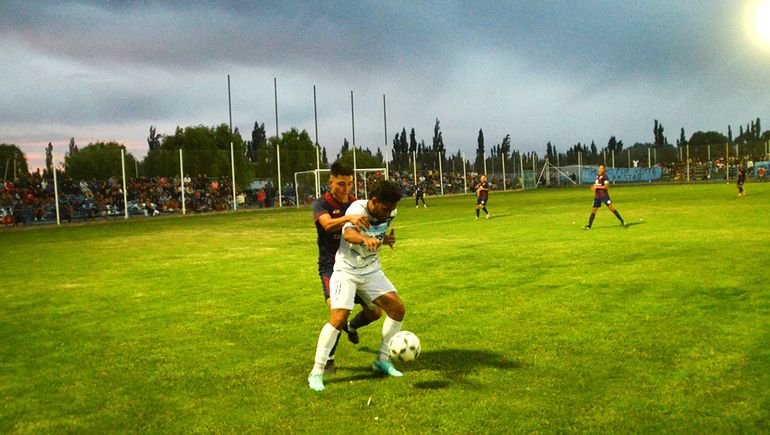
[(528, 323)]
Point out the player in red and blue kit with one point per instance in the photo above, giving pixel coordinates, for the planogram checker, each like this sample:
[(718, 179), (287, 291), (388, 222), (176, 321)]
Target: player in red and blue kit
[(329, 214), (482, 196), (602, 195), (741, 180)]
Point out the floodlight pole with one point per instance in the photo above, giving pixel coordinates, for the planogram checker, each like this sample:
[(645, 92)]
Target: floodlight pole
[(277, 143), (317, 150), (503, 159), (232, 169), (56, 185), (125, 188), (649, 157), (580, 168), (688, 163), (440, 173), (465, 177), (353, 124), (521, 164), (385, 121), (181, 177), (534, 170), (727, 161), (414, 166)]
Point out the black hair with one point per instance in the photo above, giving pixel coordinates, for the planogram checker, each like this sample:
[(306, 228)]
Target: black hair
[(338, 168), (386, 191)]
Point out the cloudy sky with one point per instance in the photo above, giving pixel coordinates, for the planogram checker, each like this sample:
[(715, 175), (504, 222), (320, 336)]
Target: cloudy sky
[(563, 71)]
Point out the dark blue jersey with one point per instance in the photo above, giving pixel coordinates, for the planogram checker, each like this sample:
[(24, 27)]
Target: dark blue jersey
[(601, 194), (483, 194), (328, 243)]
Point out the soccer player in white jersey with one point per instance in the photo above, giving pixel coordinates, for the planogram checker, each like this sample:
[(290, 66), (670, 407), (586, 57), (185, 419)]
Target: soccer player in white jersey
[(357, 271)]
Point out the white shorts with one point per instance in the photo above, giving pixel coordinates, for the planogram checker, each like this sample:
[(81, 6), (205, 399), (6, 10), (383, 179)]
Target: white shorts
[(343, 287)]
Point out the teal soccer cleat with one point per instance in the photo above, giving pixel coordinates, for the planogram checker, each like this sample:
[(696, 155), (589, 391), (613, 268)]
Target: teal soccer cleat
[(316, 382), (386, 368)]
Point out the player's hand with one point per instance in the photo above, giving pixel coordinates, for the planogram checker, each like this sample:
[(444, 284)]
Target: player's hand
[(593, 187), (361, 222), (390, 239), (372, 244)]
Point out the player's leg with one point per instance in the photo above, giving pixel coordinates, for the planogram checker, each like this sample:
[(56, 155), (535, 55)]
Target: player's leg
[(381, 292), (364, 317), (478, 207), (484, 207), (329, 368), (616, 212), (343, 289), (592, 217)]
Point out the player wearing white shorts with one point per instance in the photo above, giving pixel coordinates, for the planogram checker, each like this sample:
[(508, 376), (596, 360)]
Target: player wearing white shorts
[(357, 271)]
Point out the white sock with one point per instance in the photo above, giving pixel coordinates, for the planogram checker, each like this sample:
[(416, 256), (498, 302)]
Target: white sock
[(326, 340), (389, 329)]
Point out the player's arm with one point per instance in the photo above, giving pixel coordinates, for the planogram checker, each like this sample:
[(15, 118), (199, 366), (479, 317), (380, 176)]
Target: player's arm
[(355, 237), (390, 239), (333, 225)]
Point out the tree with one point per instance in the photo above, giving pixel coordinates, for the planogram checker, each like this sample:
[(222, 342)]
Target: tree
[(257, 142), (153, 140), (13, 159), (206, 152), (438, 139), (505, 146), (479, 164), (73, 148), (100, 160), (412, 141), (682, 142), (49, 158), (657, 130)]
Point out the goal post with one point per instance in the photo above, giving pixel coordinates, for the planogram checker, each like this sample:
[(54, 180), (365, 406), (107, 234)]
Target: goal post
[(309, 185)]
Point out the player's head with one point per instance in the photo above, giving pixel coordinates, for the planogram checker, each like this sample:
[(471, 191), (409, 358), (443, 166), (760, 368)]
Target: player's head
[(483, 178), (602, 169), (384, 198), (340, 181)]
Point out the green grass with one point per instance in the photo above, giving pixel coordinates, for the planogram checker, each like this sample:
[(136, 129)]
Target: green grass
[(528, 323)]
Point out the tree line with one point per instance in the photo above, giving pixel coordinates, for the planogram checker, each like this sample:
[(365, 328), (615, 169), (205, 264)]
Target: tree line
[(206, 152)]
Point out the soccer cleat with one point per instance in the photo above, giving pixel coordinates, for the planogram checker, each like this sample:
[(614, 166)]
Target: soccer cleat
[(329, 369), (416, 206), (316, 382), (623, 224), (586, 227), (352, 335), (477, 218), (424, 206), (386, 368), (488, 215)]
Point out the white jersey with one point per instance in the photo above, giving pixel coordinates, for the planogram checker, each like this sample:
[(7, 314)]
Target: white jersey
[(357, 258)]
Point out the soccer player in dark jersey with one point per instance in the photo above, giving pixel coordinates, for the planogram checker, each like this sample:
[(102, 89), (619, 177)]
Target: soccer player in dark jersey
[(329, 213), (482, 195), (419, 194), (741, 180), (602, 195)]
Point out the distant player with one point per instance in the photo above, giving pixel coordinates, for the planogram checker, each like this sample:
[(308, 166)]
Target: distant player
[(329, 213), (357, 272), (482, 195), (419, 194), (602, 195), (741, 180)]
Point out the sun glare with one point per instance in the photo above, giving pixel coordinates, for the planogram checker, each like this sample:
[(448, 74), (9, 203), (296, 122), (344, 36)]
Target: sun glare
[(758, 20)]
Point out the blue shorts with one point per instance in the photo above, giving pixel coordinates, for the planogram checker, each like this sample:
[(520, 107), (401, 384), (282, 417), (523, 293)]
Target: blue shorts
[(598, 201), (481, 201), (325, 276)]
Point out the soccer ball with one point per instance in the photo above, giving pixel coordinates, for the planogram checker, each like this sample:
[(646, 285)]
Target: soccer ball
[(404, 346)]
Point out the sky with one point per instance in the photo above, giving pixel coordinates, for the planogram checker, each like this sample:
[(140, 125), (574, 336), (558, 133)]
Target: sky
[(542, 71)]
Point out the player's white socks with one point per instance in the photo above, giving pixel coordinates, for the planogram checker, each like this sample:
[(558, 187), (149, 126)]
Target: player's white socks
[(326, 340), (389, 329)]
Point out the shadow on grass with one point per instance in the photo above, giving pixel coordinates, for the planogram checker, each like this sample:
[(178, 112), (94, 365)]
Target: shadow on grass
[(454, 365), (609, 227)]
